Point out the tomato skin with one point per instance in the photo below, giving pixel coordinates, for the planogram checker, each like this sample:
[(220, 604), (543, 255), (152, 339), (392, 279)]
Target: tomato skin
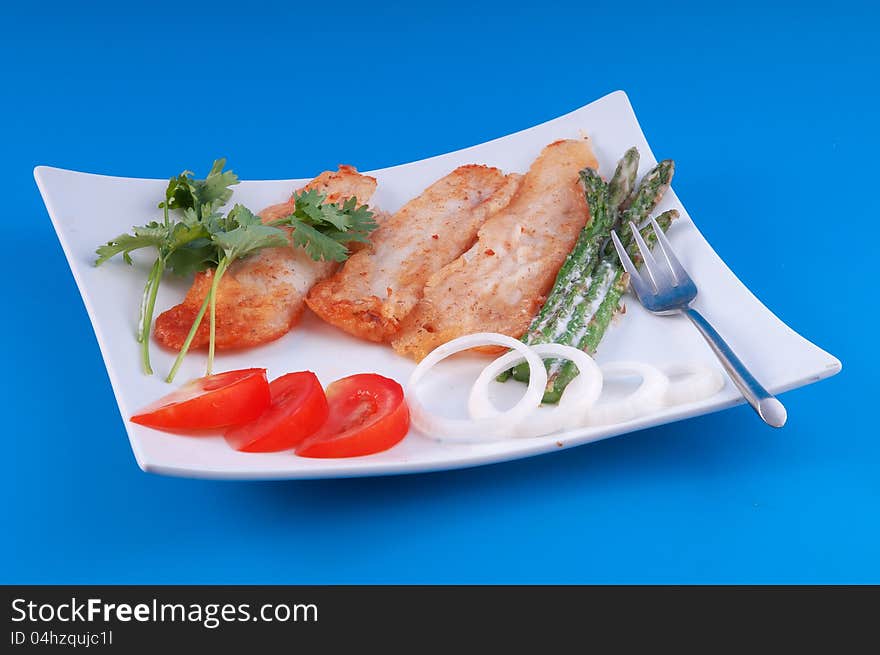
[(214, 401), (368, 414), (298, 408)]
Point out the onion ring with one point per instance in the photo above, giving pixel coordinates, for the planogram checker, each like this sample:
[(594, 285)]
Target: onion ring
[(579, 396), (698, 381), (649, 395), (470, 430)]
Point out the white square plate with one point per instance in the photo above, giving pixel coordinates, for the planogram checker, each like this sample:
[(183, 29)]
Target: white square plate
[(87, 210)]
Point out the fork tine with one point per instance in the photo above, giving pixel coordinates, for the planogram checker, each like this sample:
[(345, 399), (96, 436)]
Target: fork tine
[(679, 275), (655, 273), (635, 279)]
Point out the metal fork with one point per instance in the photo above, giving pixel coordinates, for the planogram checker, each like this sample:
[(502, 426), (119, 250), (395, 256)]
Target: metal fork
[(670, 290)]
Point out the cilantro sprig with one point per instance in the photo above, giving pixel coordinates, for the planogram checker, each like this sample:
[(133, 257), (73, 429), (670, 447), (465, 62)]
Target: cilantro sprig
[(197, 236), (182, 244), (323, 229)]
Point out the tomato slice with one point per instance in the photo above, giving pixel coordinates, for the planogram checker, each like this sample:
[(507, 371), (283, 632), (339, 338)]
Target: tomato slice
[(368, 414), (214, 401), (298, 408)]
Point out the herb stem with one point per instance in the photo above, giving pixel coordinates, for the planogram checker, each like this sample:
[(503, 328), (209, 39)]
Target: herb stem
[(221, 268), (145, 299), (189, 337), (146, 313)]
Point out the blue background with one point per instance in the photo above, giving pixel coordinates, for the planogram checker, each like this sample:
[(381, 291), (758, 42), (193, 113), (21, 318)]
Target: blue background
[(770, 111)]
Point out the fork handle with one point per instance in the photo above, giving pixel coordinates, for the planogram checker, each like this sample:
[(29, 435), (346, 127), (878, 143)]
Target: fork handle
[(764, 403)]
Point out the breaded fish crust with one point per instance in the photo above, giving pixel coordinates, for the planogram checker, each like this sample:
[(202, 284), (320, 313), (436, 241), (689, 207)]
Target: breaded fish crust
[(378, 286), (260, 298), (502, 280)]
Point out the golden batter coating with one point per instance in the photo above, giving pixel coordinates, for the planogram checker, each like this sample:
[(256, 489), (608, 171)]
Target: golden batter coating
[(502, 280), (378, 286)]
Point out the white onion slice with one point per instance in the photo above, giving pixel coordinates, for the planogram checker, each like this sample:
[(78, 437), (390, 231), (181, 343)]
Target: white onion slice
[(578, 397), (471, 430), (691, 382), (649, 395)]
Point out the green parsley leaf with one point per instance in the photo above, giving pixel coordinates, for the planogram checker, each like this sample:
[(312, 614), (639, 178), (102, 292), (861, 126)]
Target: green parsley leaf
[(192, 258), (202, 196), (243, 234), (151, 235), (324, 228), (214, 190), (182, 234), (180, 192), (312, 210), (362, 220), (318, 245), (244, 216)]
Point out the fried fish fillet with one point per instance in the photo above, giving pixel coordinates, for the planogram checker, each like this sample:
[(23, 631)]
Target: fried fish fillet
[(260, 298), (377, 287), (503, 279)]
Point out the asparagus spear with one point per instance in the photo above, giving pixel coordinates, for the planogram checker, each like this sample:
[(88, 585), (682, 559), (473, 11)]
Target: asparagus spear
[(621, 186), (645, 198), (641, 203), (575, 276), (579, 263), (587, 338), (605, 202), (622, 202), (575, 296)]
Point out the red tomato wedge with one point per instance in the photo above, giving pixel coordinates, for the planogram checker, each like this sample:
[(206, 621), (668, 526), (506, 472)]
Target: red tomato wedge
[(368, 414), (298, 408), (214, 401)]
